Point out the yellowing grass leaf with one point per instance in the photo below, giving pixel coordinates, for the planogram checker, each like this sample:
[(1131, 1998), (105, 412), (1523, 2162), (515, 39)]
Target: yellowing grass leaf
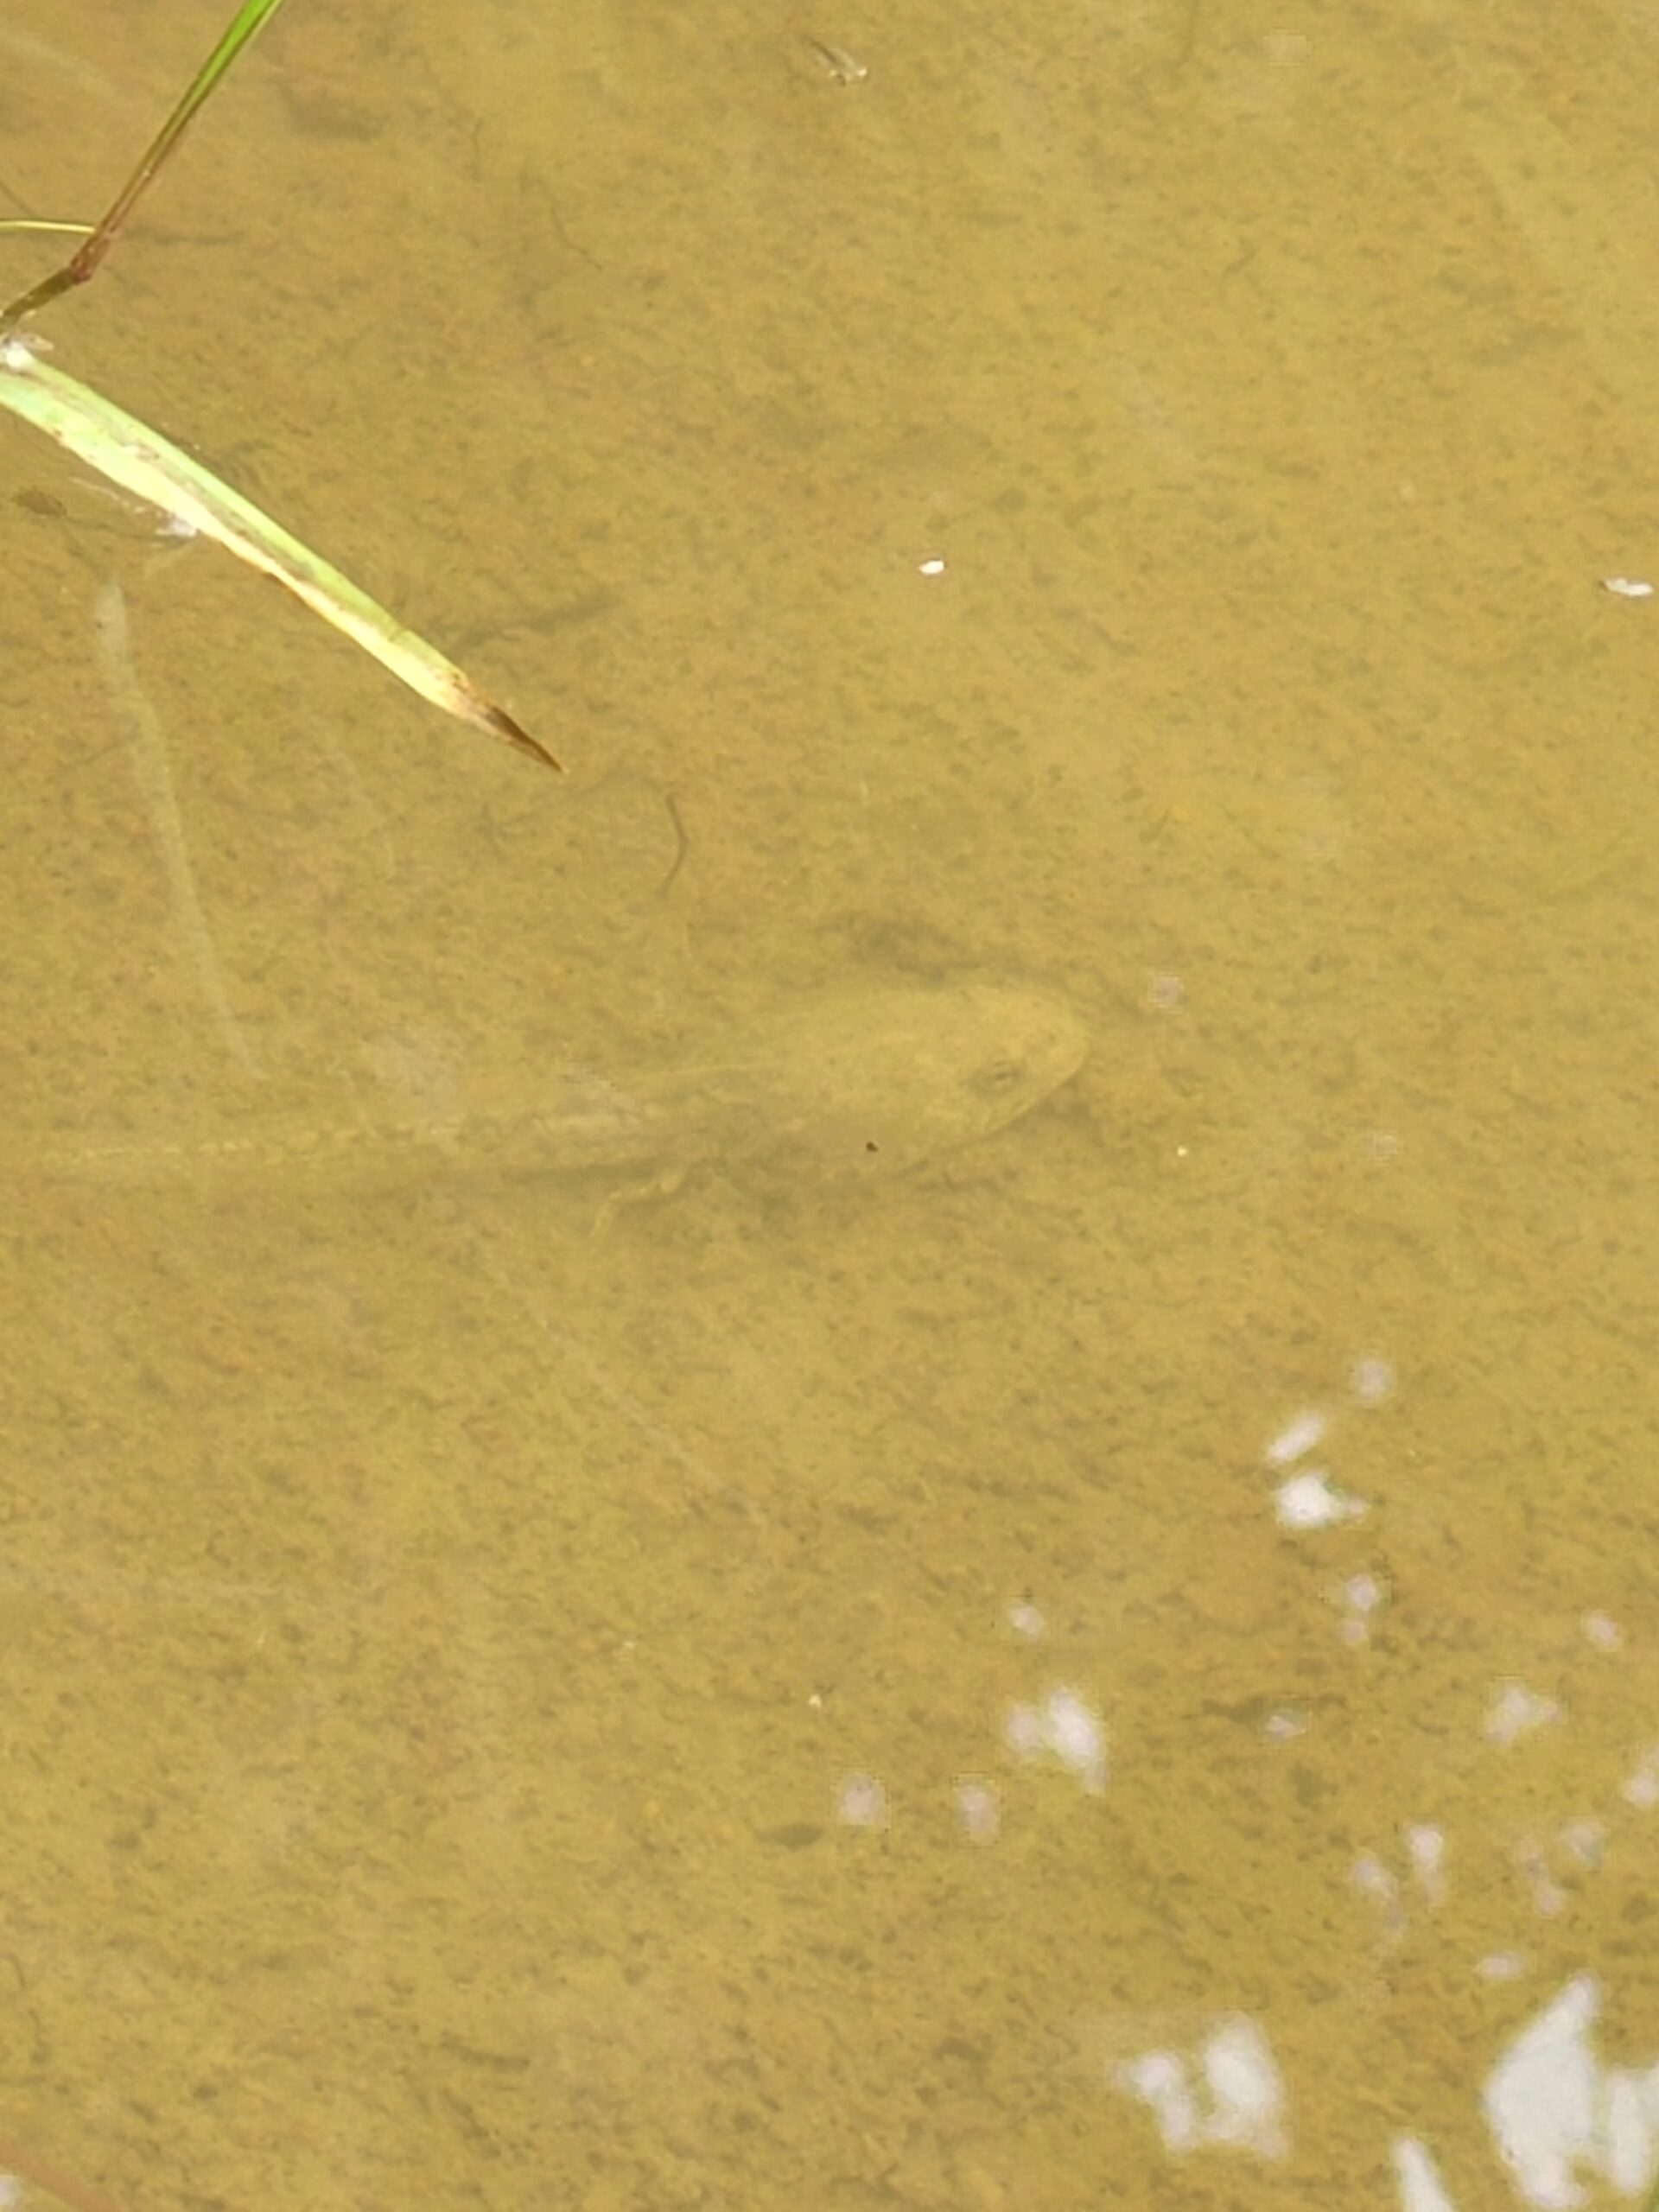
[(144, 462)]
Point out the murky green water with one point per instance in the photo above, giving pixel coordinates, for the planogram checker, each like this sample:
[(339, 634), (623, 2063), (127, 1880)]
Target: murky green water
[(792, 1693)]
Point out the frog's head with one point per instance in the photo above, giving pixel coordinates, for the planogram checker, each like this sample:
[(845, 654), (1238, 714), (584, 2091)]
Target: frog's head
[(986, 1053), (904, 1073)]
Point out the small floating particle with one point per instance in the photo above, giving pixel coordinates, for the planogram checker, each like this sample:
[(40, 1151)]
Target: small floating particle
[(1372, 1879), (1284, 1724), (1077, 1739), (1640, 1787), (1362, 1593), (861, 1802), (1247, 2094), (1359, 1596), (1516, 1712), (1300, 1433), (1548, 1898), (1421, 2189), (1628, 587), (1371, 1379), (1065, 1729), (1426, 1855), (1228, 2091), (1312, 1501), (1502, 1965), (933, 566), (1583, 1841), (978, 1810)]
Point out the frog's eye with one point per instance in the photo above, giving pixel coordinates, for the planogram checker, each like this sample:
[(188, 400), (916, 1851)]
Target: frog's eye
[(998, 1077)]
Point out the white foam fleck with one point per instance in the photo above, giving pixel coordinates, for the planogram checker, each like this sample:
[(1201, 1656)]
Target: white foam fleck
[(1421, 2189), (1502, 1965), (1640, 1787), (979, 1813), (1371, 1380), (1299, 1434), (1238, 2102), (1540, 2099), (1244, 2084), (861, 1802), (1425, 1853), (1516, 1712), (1311, 1500), (1064, 1727)]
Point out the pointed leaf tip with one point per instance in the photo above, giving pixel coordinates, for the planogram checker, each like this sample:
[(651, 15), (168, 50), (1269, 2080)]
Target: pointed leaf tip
[(504, 726)]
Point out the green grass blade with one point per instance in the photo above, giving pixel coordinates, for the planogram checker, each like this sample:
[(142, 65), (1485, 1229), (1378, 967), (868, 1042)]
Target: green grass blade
[(250, 19), (144, 462)]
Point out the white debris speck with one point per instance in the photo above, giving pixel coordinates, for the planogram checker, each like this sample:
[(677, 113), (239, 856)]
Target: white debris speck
[(1359, 1596), (1310, 1500), (861, 1802), (1372, 1380), (1629, 2121), (1024, 1732), (1584, 1842), (1628, 587), (1516, 1712), (1502, 1965), (1374, 1880), (1421, 2189), (933, 566), (1247, 2096), (1026, 1621), (1239, 2102), (1159, 2078), (1425, 1854), (1602, 1632), (1285, 1723), (1548, 1898), (978, 1810), (1540, 2099), (1064, 1728), (1076, 1739), (1298, 1434), (1562, 2116), (1640, 1787), (17, 353)]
